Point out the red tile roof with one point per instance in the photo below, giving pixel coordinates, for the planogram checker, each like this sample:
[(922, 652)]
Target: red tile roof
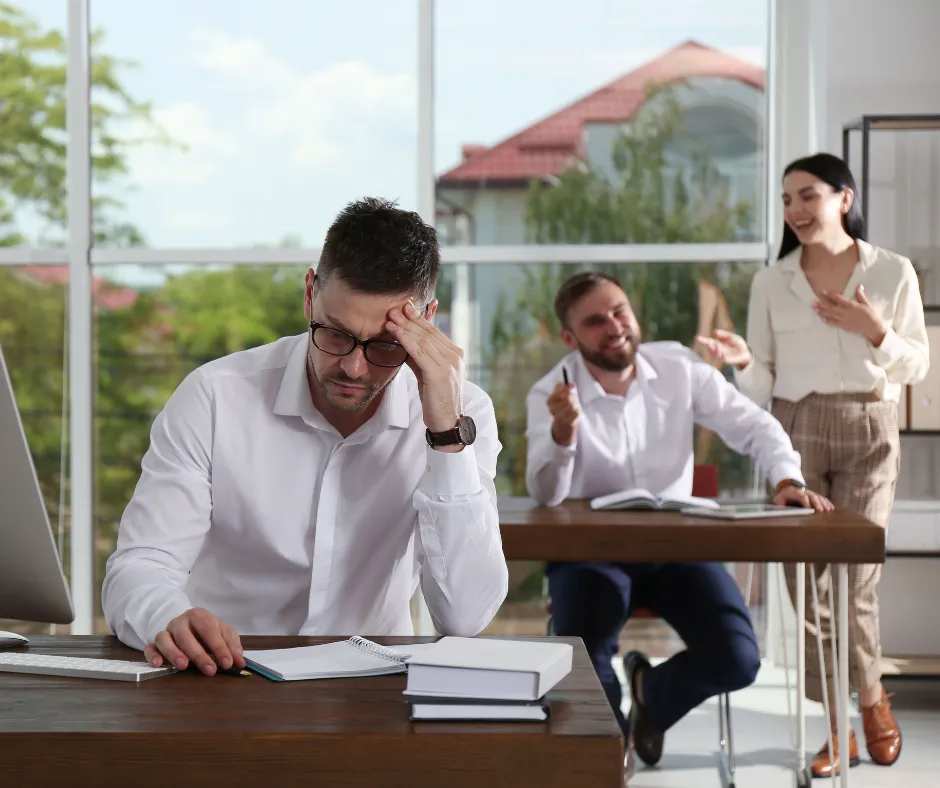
[(107, 296), (549, 146)]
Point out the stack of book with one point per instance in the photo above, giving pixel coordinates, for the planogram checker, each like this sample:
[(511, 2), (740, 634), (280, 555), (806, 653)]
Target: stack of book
[(469, 679)]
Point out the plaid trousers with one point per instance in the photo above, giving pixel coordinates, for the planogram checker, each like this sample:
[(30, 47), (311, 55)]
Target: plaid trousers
[(850, 450)]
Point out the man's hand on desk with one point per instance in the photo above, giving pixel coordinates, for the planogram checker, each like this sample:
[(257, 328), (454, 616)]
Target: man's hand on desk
[(187, 638), (790, 494), (566, 413)]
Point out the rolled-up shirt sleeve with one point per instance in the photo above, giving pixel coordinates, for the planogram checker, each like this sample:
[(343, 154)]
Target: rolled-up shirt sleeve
[(464, 577), (742, 424), (164, 525)]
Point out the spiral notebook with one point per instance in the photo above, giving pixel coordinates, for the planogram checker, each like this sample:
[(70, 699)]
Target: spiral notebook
[(342, 659)]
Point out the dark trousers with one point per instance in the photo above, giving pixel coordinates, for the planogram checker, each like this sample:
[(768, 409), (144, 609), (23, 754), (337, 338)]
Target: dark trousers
[(701, 602)]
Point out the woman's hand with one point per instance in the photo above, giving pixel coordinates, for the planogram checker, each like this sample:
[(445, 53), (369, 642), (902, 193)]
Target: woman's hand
[(728, 348), (858, 316)]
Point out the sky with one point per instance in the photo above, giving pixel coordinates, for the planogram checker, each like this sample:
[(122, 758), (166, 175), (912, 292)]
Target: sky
[(285, 110)]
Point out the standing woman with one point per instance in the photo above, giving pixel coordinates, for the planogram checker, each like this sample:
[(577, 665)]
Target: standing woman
[(835, 330)]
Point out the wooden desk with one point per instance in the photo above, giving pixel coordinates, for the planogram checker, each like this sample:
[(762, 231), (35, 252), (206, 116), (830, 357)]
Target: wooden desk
[(187, 729), (573, 532)]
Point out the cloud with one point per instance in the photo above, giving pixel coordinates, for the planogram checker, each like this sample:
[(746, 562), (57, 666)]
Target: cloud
[(196, 152), (320, 115)]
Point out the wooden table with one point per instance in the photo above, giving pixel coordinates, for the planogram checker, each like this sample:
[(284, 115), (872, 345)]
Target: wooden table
[(574, 532), (187, 729)]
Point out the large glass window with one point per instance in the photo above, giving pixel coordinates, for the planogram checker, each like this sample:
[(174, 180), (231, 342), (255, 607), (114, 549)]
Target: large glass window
[(598, 122), (230, 128), (251, 123)]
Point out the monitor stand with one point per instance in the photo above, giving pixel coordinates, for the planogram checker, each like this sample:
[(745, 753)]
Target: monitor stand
[(12, 640)]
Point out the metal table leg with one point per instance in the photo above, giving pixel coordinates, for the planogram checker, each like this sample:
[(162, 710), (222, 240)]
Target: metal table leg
[(843, 679), (803, 776), (726, 742)]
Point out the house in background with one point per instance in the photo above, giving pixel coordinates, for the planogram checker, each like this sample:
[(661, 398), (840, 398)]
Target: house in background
[(482, 199)]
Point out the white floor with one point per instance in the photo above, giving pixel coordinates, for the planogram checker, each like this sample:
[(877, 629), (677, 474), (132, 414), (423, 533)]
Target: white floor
[(764, 753)]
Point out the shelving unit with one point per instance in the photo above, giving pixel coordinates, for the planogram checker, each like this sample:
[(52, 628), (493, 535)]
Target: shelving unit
[(909, 587), (866, 125), (870, 123)]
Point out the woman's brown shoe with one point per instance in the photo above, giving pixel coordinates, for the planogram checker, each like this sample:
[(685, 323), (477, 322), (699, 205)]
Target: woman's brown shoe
[(822, 766), (882, 734)]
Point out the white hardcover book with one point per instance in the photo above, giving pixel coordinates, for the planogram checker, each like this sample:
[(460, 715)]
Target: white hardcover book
[(493, 668)]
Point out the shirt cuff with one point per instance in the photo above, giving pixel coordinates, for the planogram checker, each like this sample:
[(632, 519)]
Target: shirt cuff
[(743, 376), (891, 347), (451, 473), (785, 470), (164, 615), (564, 454)]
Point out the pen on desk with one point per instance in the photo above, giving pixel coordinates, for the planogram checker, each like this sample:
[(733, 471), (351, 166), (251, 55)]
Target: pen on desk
[(232, 671)]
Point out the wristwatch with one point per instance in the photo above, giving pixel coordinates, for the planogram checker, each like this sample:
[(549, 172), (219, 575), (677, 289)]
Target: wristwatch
[(463, 434), (789, 483)]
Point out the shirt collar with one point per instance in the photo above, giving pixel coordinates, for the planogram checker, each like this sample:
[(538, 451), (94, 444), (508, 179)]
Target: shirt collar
[(866, 255), (293, 396)]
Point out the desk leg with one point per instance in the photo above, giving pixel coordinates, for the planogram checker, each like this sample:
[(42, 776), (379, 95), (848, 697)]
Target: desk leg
[(803, 777), (843, 689), (726, 750)]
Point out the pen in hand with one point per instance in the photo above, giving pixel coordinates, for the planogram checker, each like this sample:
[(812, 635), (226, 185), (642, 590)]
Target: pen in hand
[(564, 375)]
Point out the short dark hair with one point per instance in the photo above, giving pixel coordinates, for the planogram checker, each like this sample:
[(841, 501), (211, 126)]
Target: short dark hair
[(374, 246), (574, 288)]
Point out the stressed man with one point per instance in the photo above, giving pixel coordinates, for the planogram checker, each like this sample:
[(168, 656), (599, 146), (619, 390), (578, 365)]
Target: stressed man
[(625, 419), (309, 485)]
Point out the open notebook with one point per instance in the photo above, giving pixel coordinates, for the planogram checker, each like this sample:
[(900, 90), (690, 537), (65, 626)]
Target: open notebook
[(342, 659), (643, 499)]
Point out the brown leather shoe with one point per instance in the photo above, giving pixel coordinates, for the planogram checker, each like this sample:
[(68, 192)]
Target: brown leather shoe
[(882, 734), (821, 766)]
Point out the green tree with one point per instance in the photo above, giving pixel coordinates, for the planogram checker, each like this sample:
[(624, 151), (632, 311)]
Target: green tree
[(642, 197), (33, 131)]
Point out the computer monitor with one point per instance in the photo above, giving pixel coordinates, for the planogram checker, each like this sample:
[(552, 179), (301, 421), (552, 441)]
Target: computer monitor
[(32, 583)]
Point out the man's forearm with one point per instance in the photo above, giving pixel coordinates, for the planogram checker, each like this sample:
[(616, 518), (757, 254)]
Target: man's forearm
[(549, 472), (464, 575), (139, 600)]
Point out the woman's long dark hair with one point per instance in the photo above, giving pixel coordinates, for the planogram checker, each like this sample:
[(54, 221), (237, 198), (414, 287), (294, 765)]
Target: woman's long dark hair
[(837, 174)]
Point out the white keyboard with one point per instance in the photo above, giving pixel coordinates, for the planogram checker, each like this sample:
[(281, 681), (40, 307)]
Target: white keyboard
[(80, 667)]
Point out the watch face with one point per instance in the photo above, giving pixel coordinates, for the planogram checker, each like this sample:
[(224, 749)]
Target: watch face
[(467, 429)]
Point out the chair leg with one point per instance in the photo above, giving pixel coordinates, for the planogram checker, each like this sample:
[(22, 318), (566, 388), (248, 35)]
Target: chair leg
[(726, 766)]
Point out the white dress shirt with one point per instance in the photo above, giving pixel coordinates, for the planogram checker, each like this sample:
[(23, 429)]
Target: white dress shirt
[(794, 353), (645, 440), (251, 505)]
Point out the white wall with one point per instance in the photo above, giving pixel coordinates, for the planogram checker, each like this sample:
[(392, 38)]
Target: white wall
[(885, 58)]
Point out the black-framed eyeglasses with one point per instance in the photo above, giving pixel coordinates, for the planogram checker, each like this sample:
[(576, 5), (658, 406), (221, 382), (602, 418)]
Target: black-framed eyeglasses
[(338, 343)]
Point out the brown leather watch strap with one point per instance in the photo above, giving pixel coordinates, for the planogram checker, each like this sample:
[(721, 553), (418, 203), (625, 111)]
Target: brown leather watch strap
[(789, 483)]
